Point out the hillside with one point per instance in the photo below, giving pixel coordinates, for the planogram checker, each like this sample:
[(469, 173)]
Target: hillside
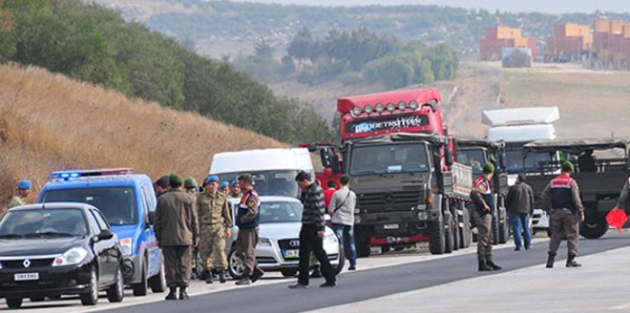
[(49, 122)]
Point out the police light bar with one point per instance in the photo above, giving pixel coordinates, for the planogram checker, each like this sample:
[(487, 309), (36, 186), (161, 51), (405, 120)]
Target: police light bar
[(95, 172)]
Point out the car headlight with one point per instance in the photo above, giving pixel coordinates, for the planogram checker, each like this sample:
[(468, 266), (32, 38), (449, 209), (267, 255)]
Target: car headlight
[(70, 257), (125, 244), (264, 242), (331, 238)]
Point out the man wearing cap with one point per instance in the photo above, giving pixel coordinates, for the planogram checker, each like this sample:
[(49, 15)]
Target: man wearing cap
[(225, 188), (561, 199), (23, 190), (236, 190), (215, 223), (484, 205), (177, 232), (247, 220), (520, 206)]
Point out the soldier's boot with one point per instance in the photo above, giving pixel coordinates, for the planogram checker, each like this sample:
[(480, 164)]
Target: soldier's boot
[(550, 260), (172, 294), (483, 267), (571, 262), (209, 277), (258, 273), (183, 295), (316, 272), (222, 277), (493, 266)]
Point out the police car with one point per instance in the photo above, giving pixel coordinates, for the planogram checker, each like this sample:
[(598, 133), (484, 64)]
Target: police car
[(128, 202)]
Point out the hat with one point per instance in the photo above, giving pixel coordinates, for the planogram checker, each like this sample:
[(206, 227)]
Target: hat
[(190, 182), (224, 184), (175, 180), (24, 184), (567, 166), (212, 179), (488, 168), (234, 183), (246, 178)]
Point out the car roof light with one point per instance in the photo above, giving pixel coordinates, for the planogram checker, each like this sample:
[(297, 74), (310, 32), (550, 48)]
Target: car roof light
[(380, 107), (391, 107), (95, 172)]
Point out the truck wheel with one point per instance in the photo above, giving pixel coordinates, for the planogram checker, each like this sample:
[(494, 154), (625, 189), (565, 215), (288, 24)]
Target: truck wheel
[(363, 245), (465, 234), (435, 231), (14, 303), (456, 230), (495, 227), (593, 229), (448, 233), (504, 231)]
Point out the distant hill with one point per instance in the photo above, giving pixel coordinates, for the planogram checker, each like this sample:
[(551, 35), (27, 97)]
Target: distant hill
[(50, 122)]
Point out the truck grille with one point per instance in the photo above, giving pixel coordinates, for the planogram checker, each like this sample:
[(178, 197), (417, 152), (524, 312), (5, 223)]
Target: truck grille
[(389, 201)]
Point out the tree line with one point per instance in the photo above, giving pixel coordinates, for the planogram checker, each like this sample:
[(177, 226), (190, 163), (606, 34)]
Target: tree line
[(90, 43)]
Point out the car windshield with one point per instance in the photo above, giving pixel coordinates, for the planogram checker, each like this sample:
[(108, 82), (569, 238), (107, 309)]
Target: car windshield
[(280, 212), (475, 158), (515, 163), (383, 159), (118, 204), (39, 223), (270, 183)]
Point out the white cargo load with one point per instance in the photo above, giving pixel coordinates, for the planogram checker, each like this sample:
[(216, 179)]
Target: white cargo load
[(521, 116), (522, 133), (261, 160)]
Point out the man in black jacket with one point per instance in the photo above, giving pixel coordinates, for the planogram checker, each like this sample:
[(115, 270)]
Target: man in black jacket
[(520, 206)]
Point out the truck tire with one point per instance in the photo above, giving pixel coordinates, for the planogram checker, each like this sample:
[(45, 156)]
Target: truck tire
[(435, 231), (465, 234), (363, 244), (594, 228), (495, 227), (504, 231), (448, 233), (456, 230)]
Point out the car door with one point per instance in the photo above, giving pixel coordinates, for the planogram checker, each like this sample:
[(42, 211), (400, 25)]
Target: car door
[(109, 251), (154, 253)]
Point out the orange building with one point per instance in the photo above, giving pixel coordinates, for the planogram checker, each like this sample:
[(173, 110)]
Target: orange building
[(569, 42), (611, 43), (499, 37)]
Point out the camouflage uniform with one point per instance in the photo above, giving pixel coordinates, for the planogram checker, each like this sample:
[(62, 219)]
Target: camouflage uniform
[(214, 219), (236, 195), (16, 201)]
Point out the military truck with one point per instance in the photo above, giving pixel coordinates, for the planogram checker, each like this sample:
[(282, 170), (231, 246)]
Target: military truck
[(600, 176), (406, 194), (476, 153)]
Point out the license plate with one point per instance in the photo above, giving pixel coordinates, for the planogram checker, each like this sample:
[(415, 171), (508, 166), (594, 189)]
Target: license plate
[(291, 254), (390, 226), (26, 276)]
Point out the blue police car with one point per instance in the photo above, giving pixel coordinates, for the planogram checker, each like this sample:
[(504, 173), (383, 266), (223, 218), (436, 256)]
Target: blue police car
[(128, 202)]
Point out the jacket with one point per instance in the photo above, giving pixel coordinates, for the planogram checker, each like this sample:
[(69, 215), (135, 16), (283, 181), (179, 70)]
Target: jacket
[(520, 199), (314, 208), (248, 215), (562, 192), (345, 199), (175, 221), (213, 209), (482, 194)]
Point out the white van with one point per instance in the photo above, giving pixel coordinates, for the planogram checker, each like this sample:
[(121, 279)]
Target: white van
[(274, 170)]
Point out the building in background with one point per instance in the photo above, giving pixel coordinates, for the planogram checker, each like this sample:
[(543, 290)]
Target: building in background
[(499, 37), (570, 42)]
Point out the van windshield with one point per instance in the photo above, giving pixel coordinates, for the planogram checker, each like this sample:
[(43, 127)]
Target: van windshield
[(270, 183), (118, 204)]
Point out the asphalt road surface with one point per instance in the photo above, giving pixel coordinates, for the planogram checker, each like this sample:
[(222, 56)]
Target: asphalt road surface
[(362, 290)]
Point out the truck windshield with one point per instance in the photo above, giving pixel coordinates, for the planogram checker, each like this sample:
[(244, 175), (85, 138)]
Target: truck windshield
[(383, 159), (475, 158), (270, 183), (118, 204), (516, 164)]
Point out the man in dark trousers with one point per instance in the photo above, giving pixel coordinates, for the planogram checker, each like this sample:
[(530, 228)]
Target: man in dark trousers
[(312, 232), (484, 205), (561, 199), (247, 220), (177, 233), (520, 206)]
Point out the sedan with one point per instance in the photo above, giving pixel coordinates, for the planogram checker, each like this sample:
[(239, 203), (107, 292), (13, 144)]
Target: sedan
[(55, 249), (278, 242)]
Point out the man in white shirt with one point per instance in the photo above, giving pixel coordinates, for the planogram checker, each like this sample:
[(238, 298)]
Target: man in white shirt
[(341, 210)]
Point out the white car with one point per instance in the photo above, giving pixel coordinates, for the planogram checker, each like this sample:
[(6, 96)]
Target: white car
[(278, 242)]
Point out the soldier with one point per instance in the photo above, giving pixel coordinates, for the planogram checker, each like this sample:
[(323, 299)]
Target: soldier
[(176, 229), (623, 203), (236, 190), (247, 220), (484, 206), (23, 190), (215, 223), (561, 198), (225, 188), (190, 184)]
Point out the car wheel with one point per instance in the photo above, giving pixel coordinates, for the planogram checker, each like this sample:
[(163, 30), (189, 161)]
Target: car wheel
[(235, 265), (91, 297), (116, 292), (342, 261), (158, 282), (141, 288), (289, 272), (14, 303)]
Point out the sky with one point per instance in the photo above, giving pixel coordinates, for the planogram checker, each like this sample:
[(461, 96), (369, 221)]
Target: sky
[(544, 6)]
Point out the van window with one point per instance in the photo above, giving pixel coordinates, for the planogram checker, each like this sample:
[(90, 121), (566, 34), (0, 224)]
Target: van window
[(145, 201), (118, 204), (270, 183)]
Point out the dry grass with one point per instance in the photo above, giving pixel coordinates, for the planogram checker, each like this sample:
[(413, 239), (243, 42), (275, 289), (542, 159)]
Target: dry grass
[(49, 122)]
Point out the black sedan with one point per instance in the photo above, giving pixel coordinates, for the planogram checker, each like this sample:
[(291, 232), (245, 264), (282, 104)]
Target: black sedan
[(54, 249)]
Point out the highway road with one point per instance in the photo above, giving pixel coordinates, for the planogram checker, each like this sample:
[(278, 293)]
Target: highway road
[(412, 282)]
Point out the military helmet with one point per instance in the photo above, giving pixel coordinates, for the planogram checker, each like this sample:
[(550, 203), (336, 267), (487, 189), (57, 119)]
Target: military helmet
[(190, 183)]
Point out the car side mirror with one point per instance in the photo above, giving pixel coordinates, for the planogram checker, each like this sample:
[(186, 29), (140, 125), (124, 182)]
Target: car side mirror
[(106, 234), (335, 164), (448, 154), (323, 154)]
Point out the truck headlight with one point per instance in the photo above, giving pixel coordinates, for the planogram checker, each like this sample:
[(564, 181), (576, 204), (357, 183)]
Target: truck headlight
[(423, 216), (264, 242), (70, 257), (125, 245)]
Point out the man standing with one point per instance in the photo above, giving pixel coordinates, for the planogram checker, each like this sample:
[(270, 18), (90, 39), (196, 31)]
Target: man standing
[(190, 184), (176, 230), (215, 222), (561, 198), (236, 190), (225, 188), (247, 220), (312, 232), (341, 210), (328, 193), (23, 190), (161, 185), (520, 206), (484, 206)]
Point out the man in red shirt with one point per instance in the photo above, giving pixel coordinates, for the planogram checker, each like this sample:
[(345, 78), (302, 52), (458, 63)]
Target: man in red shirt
[(328, 193)]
